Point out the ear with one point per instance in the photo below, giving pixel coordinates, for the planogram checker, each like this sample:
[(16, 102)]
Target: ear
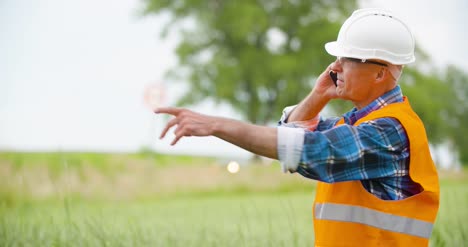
[(382, 73)]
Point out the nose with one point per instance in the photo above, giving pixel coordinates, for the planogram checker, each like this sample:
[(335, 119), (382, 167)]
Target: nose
[(336, 66)]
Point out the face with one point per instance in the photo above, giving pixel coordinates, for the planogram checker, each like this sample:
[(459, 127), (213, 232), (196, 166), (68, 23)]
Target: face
[(356, 80)]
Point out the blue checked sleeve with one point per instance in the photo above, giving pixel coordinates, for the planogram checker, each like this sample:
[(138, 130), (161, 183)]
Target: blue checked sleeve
[(374, 149)]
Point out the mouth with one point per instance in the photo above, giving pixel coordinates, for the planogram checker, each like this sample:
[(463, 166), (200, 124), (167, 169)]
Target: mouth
[(339, 82)]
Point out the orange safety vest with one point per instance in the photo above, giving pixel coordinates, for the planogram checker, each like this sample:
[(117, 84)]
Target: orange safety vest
[(345, 214)]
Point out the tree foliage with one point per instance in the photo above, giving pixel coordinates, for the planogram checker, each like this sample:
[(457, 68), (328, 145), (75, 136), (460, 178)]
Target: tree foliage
[(257, 55), (262, 55), (456, 115), (440, 99)]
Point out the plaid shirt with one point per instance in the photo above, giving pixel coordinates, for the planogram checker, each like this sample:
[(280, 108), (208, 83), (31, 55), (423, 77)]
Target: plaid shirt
[(375, 152)]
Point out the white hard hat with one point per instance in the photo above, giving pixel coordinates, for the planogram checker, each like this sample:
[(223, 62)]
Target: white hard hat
[(374, 34)]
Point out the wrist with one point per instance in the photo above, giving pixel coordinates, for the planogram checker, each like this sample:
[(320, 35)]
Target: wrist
[(224, 127), (216, 126), (320, 96)]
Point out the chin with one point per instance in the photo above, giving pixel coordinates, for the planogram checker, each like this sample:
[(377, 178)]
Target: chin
[(341, 93)]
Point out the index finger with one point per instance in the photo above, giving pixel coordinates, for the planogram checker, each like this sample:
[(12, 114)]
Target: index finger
[(168, 110)]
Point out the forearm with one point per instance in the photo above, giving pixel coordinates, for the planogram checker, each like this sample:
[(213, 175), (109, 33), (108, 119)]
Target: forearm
[(257, 139), (309, 108)]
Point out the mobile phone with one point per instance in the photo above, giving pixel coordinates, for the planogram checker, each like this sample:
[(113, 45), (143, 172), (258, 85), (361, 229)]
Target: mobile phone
[(334, 77)]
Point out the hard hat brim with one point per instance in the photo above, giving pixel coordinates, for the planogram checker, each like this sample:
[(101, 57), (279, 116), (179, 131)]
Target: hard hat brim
[(336, 49)]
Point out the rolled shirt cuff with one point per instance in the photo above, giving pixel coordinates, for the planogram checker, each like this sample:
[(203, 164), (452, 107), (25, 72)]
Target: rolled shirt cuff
[(285, 115), (290, 143), (310, 124)]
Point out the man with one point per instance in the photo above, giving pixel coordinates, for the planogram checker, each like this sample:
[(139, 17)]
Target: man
[(377, 182)]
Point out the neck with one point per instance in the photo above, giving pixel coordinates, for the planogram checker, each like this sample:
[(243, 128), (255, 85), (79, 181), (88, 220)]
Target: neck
[(374, 94)]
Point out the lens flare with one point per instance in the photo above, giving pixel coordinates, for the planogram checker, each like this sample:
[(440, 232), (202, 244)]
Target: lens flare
[(233, 167), (154, 95)]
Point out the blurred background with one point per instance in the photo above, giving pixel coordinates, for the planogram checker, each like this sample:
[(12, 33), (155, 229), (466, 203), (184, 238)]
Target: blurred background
[(79, 147)]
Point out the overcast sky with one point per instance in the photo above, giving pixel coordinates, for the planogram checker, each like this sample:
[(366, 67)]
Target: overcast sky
[(73, 72)]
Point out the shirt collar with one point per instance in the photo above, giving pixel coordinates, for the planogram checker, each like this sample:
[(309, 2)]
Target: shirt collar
[(393, 96)]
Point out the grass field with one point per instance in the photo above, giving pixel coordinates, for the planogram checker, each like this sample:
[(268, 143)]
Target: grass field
[(71, 199)]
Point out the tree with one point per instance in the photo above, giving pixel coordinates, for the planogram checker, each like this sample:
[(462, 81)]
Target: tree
[(456, 116), (440, 98), (258, 56), (262, 55)]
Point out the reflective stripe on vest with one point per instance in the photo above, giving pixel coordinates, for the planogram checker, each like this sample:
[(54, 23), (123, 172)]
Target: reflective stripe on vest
[(370, 217)]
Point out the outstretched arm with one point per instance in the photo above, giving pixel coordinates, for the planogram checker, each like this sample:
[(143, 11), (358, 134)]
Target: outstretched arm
[(257, 139)]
